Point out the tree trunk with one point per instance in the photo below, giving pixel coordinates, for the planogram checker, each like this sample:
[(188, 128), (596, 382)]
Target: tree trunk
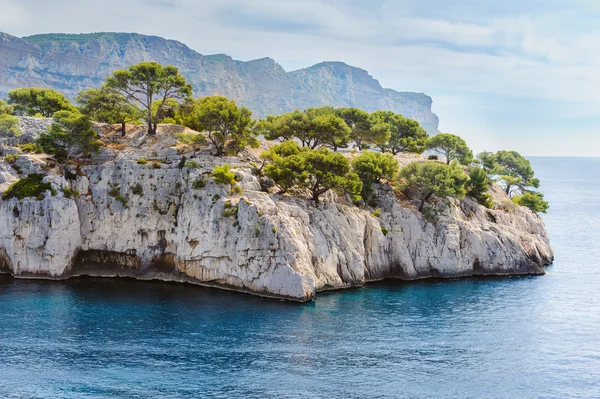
[(123, 129)]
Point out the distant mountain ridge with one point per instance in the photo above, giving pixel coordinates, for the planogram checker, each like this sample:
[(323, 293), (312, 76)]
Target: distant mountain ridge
[(73, 62)]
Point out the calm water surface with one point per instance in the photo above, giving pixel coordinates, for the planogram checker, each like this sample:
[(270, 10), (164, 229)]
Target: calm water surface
[(533, 337)]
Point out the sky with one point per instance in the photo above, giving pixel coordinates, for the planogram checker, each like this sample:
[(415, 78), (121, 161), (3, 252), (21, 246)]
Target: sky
[(503, 74)]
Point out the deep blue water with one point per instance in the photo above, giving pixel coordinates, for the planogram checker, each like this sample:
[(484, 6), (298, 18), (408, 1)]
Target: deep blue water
[(533, 337)]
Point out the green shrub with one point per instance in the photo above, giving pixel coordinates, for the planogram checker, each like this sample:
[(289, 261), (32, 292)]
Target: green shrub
[(156, 165), (12, 158), (376, 213), (532, 200), (122, 200), (142, 161), (199, 184), (237, 189), (31, 148), (433, 157), (30, 186), (222, 174), (70, 193), (137, 189), (384, 231), (229, 209), (192, 164), (10, 124)]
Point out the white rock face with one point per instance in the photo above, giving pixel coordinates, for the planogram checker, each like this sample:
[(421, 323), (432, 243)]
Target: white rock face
[(162, 222)]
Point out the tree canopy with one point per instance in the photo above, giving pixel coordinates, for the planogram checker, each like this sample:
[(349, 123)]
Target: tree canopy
[(144, 83), (532, 200), (479, 185), (230, 128), (372, 167), (405, 135), (427, 180), (70, 135), (452, 147), (107, 106), (360, 127), (6, 109), (34, 101), (515, 172), (317, 171)]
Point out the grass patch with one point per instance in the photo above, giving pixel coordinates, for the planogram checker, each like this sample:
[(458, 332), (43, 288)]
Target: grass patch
[(30, 186)]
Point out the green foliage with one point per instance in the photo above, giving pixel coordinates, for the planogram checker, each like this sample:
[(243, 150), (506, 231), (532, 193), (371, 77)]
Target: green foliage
[(515, 172), (314, 128), (192, 164), (223, 175), (229, 127), (433, 157), (385, 231), (359, 123), (488, 161), (142, 161), (33, 101), (165, 111), (327, 129), (11, 158), (236, 189), (199, 184), (315, 170), (6, 109), (70, 193), (9, 124), (156, 165), (376, 213), (70, 135), (405, 135), (478, 187), (147, 82), (30, 186), (372, 167), (229, 209), (194, 140), (427, 180), (452, 147), (286, 167), (31, 148), (329, 171), (137, 189), (532, 200), (107, 106)]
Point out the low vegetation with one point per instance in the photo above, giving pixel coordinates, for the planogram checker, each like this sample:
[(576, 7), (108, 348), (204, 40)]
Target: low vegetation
[(306, 162), (30, 186)]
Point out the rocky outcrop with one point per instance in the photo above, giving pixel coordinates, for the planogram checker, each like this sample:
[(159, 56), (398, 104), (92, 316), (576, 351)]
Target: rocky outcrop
[(70, 63), (162, 221)]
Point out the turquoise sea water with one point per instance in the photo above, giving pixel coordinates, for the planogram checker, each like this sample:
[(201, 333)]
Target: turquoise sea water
[(532, 337)]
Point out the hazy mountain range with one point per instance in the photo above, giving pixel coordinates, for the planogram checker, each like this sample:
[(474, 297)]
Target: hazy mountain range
[(70, 63)]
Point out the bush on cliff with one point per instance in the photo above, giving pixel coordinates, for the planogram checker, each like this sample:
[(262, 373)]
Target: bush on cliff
[(9, 124), (70, 135), (478, 187), (372, 167), (428, 180), (223, 175), (316, 171), (532, 200), (405, 135), (30, 186)]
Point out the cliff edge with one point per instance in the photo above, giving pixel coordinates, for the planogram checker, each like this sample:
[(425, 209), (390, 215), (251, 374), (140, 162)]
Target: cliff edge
[(159, 220)]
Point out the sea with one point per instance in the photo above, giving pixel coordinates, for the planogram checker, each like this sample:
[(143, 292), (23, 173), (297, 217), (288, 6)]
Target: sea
[(515, 337)]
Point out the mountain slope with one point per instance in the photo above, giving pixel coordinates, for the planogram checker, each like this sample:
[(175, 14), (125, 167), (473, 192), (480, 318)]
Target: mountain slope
[(70, 63)]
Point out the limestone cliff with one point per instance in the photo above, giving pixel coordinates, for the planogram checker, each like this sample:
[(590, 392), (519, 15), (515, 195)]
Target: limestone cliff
[(70, 63), (162, 221)]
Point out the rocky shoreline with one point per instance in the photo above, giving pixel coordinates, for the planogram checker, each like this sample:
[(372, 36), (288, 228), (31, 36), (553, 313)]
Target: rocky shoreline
[(155, 221)]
